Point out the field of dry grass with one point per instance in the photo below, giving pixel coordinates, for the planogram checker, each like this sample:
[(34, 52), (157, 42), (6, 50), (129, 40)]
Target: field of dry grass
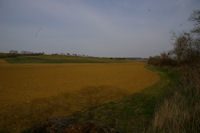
[(30, 93)]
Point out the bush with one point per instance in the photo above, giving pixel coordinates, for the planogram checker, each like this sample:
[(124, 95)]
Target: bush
[(180, 113), (154, 60), (162, 60), (186, 49)]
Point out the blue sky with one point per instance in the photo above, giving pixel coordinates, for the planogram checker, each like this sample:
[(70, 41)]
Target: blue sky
[(109, 28)]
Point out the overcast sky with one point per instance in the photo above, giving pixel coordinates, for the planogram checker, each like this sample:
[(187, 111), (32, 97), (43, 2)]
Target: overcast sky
[(109, 28)]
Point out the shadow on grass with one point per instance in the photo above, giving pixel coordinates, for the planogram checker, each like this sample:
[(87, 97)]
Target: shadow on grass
[(133, 113)]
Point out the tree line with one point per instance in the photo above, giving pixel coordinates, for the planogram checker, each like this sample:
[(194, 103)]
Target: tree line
[(186, 47)]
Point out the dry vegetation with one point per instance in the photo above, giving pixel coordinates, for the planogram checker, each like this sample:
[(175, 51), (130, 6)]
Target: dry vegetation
[(180, 113), (31, 93)]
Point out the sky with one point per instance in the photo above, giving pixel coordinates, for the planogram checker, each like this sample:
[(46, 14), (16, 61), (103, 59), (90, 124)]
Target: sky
[(103, 28)]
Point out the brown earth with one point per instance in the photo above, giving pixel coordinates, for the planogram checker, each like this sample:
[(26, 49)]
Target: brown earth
[(30, 93)]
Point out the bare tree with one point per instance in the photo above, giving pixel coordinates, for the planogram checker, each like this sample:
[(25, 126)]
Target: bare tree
[(195, 17), (183, 47)]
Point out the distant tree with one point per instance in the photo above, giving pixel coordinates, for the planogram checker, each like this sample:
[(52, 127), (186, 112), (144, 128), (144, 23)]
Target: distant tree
[(183, 47), (154, 60), (26, 52), (187, 45), (54, 54), (163, 59), (13, 52), (195, 17), (68, 54)]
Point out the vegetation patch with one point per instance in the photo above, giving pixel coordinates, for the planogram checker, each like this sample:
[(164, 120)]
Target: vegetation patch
[(134, 112), (61, 59)]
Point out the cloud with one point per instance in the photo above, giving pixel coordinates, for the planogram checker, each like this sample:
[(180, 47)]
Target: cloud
[(98, 28)]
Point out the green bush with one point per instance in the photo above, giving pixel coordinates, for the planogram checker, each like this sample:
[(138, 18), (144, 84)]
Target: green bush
[(162, 60)]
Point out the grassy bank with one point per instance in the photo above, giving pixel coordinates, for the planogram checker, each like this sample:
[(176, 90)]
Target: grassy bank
[(135, 112), (180, 113)]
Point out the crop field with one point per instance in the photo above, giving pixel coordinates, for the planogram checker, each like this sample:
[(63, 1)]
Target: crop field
[(31, 92)]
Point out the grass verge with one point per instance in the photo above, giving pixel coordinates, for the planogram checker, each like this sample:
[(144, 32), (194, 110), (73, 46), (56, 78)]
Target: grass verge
[(135, 112), (180, 113)]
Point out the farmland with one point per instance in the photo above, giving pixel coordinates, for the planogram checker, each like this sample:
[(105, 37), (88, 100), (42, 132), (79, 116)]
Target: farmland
[(37, 90), (20, 58)]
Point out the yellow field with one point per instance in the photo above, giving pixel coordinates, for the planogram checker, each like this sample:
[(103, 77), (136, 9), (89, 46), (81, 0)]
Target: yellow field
[(30, 93)]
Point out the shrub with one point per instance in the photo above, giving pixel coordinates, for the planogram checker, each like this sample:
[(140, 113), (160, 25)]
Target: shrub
[(154, 60), (180, 113), (162, 60), (186, 49)]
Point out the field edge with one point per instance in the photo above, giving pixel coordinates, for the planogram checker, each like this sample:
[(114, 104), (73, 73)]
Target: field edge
[(133, 113)]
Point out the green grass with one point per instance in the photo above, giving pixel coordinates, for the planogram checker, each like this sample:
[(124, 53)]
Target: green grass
[(61, 59), (135, 112)]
